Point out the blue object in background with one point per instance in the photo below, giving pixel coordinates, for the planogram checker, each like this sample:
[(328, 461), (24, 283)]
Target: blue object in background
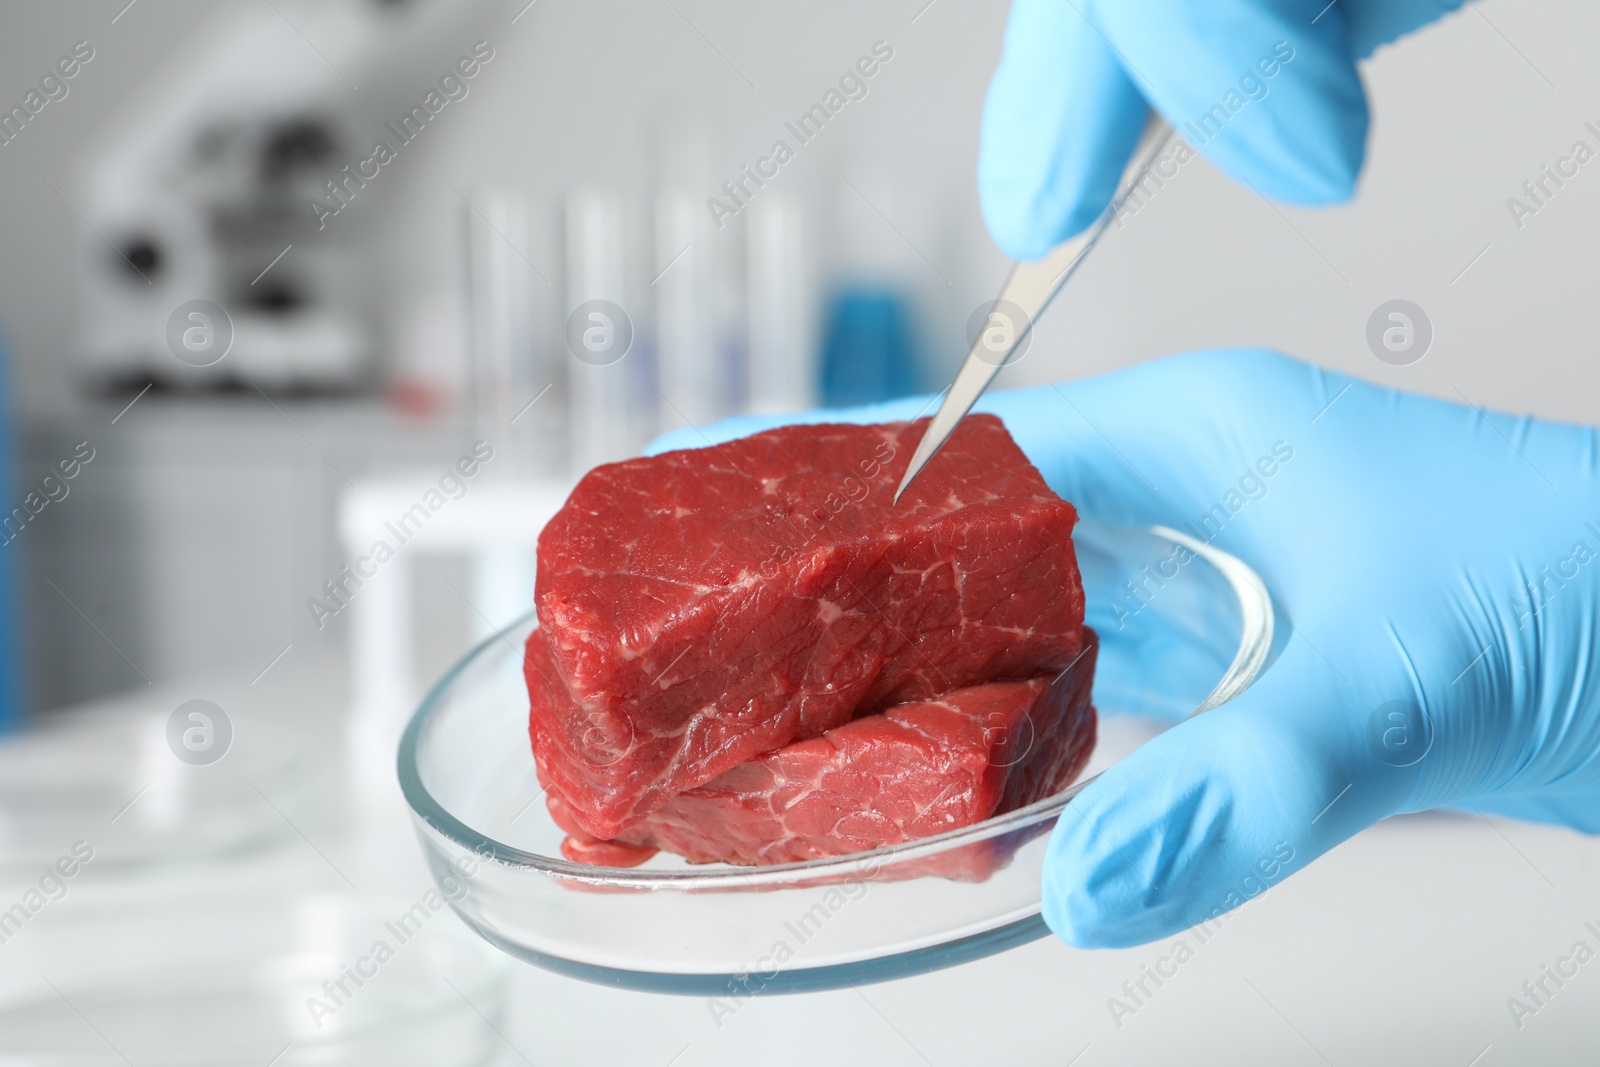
[(868, 352), (11, 687)]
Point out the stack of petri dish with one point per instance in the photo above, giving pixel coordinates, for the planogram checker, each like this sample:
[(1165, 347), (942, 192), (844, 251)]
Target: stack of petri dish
[(165, 902)]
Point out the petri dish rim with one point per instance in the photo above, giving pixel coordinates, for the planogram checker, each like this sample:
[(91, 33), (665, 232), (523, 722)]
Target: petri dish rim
[(869, 971)]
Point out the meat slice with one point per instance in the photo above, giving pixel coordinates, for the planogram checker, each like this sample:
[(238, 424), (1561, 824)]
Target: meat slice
[(911, 771), (703, 607)]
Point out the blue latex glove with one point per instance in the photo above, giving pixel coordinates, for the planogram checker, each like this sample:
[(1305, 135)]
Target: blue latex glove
[(1069, 98), (1399, 542)]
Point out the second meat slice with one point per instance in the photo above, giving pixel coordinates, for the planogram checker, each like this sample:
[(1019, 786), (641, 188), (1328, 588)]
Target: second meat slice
[(911, 771), (700, 608)]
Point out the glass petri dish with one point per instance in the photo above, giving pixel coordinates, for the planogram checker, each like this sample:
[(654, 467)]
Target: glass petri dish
[(1183, 629), (200, 982)]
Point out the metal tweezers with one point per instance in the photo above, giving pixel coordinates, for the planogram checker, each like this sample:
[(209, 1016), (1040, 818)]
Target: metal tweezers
[(1027, 292)]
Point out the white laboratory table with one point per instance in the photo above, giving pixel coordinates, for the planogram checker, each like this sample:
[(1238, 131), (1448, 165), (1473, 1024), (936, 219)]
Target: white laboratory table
[(1402, 946)]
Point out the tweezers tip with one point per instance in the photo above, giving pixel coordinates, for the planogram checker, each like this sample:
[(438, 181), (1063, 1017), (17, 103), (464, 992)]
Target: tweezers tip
[(905, 483)]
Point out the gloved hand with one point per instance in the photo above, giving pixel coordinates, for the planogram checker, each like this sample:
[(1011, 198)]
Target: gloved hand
[(1267, 89), (1438, 572)]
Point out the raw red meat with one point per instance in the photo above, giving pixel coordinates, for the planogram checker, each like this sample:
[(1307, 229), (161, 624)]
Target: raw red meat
[(911, 771), (703, 607)]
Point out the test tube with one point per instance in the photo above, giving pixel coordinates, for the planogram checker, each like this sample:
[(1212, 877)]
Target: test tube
[(694, 385), (783, 351), (598, 334), (506, 369)]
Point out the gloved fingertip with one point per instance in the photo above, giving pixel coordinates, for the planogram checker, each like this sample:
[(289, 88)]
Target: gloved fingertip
[(1082, 918), (1026, 229), (1267, 92), (1116, 864), (1311, 166), (1209, 815), (1059, 120)]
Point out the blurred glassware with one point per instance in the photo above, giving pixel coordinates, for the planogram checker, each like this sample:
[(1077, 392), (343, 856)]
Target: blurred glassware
[(697, 387), (508, 369), (12, 687), (694, 281), (599, 336), (869, 353), (212, 983), (783, 357), (114, 781)]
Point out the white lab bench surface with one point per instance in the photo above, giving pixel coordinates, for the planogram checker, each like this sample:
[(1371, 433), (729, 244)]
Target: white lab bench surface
[(1402, 946)]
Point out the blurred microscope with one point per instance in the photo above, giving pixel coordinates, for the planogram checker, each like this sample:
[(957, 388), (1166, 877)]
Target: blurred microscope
[(202, 190)]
